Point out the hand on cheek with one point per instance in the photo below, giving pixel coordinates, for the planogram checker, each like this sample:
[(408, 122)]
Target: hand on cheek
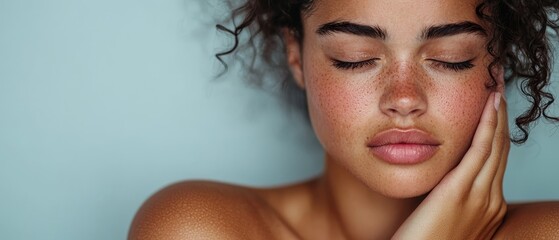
[(468, 203)]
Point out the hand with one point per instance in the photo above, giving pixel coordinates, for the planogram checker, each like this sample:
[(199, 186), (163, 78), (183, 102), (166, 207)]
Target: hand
[(468, 203)]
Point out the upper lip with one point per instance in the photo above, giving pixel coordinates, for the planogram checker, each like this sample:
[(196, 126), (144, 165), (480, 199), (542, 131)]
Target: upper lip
[(400, 136)]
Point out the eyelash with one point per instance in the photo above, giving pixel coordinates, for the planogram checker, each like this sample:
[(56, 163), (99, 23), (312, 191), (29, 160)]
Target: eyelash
[(353, 65), (454, 66)]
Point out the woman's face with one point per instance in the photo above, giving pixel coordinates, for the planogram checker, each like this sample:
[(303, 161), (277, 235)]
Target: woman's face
[(395, 88)]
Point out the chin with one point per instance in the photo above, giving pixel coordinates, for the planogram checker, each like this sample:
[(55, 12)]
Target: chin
[(406, 193), (407, 186), (410, 181)]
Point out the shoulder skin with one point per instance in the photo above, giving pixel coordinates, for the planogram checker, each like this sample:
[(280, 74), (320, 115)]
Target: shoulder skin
[(530, 221), (205, 210)]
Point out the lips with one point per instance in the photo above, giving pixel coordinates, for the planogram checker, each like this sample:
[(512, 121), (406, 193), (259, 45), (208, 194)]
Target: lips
[(403, 147)]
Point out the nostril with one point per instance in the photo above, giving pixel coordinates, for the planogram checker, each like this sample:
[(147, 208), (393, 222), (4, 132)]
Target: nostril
[(403, 111), (403, 98), (414, 111), (404, 107)]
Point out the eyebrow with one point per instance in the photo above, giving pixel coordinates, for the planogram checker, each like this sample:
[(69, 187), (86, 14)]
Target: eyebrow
[(436, 31), (351, 28), (451, 29)]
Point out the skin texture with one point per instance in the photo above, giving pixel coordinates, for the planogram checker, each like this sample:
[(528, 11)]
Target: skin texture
[(455, 194)]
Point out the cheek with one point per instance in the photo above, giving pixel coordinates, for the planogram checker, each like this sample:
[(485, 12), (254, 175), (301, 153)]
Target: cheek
[(461, 107), (336, 105), (337, 102)]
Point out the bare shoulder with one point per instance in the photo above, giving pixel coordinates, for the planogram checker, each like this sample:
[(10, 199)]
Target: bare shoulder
[(204, 210), (531, 221)]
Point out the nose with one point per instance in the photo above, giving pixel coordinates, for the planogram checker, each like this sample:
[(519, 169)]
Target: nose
[(404, 95)]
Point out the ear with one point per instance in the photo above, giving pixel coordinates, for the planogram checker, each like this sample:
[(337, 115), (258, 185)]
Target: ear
[(293, 56)]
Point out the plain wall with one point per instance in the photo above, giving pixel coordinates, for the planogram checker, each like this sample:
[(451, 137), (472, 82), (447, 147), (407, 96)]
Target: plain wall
[(102, 103)]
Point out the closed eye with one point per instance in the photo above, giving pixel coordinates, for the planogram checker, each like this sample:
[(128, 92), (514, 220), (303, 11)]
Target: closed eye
[(454, 66), (353, 65)]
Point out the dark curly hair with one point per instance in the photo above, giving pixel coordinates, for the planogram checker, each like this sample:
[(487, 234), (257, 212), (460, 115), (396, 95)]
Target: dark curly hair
[(521, 42)]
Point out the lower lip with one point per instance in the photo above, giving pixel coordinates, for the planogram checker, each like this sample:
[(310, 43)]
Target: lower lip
[(404, 153)]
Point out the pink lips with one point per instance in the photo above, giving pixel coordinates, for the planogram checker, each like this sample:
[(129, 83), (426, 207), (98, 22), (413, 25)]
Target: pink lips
[(397, 146)]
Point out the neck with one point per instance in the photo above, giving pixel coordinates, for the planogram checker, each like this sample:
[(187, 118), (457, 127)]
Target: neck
[(360, 212)]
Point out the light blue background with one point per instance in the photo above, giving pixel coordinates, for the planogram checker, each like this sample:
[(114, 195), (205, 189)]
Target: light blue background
[(104, 102)]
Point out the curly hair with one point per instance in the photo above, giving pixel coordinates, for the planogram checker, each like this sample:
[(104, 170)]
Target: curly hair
[(521, 43)]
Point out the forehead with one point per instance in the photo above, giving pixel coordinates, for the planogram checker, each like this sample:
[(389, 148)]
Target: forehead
[(393, 14)]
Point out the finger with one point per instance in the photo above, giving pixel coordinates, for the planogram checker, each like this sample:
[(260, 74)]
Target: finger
[(497, 206), (497, 184), (480, 148), (499, 176), (488, 173)]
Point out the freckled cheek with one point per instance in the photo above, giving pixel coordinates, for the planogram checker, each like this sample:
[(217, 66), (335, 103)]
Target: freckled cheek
[(334, 102), (335, 98), (336, 108), (463, 109)]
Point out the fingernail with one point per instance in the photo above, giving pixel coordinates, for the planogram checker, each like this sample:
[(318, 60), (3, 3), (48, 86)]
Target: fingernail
[(497, 100)]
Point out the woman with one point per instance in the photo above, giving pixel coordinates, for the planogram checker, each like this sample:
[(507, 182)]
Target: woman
[(406, 98)]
